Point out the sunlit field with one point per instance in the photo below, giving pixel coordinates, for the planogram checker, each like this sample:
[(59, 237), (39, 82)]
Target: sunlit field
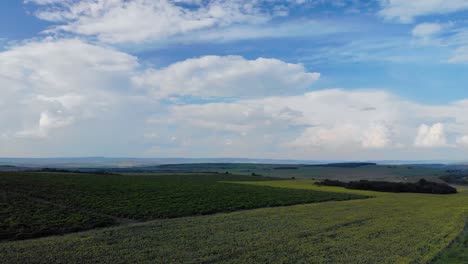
[(388, 228), (41, 204)]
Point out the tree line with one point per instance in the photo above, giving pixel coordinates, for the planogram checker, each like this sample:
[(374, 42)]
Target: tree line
[(422, 186)]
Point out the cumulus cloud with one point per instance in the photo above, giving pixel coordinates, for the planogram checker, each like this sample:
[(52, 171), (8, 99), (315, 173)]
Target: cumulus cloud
[(463, 140), (92, 91), (229, 76), (46, 122), (343, 136), (431, 136), (122, 21), (48, 84), (327, 119), (324, 122), (52, 84), (334, 137), (58, 65), (312, 108), (405, 11), (376, 136)]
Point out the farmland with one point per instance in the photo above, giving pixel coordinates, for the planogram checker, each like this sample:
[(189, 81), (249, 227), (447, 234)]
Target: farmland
[(397, 173), (40, 204), (457, 252), (22, 217), (390, 228), (203, 217)]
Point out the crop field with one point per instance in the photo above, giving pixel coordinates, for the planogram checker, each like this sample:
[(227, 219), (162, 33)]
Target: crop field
[(457, 252), (39, 204), (389, 228), (22, 218), (375, 173), (400, 173)]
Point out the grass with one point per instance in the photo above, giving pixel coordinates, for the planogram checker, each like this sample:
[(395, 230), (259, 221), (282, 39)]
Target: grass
[(457, 252), (56, 203), (390, 228)]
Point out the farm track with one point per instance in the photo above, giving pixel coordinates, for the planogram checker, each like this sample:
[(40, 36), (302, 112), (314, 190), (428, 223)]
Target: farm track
[(118, 220), (452, 245)]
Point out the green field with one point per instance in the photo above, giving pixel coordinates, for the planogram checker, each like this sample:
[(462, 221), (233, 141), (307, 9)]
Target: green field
[(22, 217), (400, 173), (39, 204), (390, 228), (457, 252)]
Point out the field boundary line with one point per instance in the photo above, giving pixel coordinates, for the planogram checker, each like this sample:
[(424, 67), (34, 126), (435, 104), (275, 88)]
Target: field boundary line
[(459, 237)]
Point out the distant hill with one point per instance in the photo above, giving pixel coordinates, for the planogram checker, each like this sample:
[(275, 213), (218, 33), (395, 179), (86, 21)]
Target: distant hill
[(6, 167), (133, 162), (93, 163), (11, 168), (344, 165)]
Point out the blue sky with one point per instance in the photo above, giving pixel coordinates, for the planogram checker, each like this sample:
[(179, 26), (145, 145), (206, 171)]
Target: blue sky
[(217, 78)]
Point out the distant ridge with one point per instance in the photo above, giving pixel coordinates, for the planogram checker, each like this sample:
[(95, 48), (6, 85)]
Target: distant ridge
[(345, 164), (128, 162)]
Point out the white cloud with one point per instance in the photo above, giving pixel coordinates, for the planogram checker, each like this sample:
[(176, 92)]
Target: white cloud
[(341, 136), (460, 55), (425, 30), (122, 21), (463, 140), (451, 35), (347, 136), (44, 2), (68, 96), (326, 123), (406, 10), (229, 76), (377, 136), (431, 136), (47, 121), (59, 65), (327, 119), (68, 101), (294, 28), (48, 84), (156, 23)]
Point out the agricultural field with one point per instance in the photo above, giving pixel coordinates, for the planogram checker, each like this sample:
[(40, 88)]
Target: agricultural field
[(39, 204), (457, 252), (396, 173), (22, 217), (389, 228)]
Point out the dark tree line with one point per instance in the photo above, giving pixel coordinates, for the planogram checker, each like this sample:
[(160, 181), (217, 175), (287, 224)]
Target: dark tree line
[(55, 170), (422, 186)]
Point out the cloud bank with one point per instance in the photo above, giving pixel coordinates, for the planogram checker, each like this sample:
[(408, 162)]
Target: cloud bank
[(228, 76), (405, 11), (77, 91), (122, 21)]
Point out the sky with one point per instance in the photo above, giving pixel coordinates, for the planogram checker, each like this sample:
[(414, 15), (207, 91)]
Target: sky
[(294, 79)]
